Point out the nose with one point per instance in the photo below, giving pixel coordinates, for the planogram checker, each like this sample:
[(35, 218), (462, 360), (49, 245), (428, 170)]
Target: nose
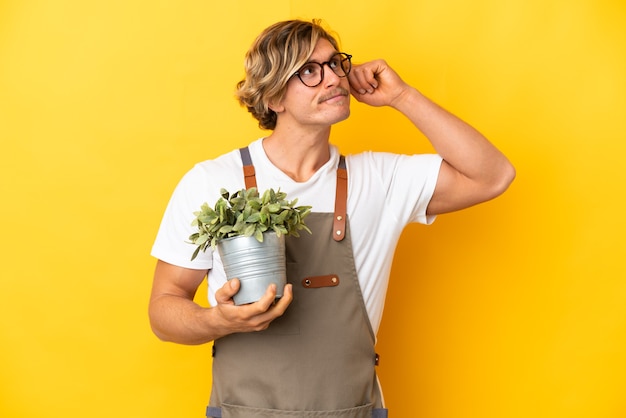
[(330, 78)]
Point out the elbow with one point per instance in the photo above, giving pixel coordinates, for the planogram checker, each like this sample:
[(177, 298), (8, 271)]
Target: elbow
[(503, 180), (156, 324), (158, 332), (508, 176), (160, 335)]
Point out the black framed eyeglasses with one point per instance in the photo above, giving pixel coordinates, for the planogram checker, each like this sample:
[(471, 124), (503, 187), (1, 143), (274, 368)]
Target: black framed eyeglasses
[(312, 73)]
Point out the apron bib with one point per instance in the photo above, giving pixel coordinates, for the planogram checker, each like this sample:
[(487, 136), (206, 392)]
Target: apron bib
[(318, 359)]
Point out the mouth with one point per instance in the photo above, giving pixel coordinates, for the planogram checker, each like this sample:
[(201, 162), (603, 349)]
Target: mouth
[(335, 94)]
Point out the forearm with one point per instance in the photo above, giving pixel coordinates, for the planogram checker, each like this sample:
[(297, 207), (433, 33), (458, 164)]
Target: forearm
[(458, 143), (175, 317), (465, 150), (180, 320)]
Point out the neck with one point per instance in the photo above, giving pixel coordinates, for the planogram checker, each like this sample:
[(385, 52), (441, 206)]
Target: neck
[(299, 155)]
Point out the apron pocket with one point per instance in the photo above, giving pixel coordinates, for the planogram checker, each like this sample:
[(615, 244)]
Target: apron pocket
[(236, 411)]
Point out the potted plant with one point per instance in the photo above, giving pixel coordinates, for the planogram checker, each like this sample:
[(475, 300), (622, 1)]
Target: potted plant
[(249, 232)]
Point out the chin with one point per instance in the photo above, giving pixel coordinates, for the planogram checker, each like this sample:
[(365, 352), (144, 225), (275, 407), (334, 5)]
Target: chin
[(343, 116)]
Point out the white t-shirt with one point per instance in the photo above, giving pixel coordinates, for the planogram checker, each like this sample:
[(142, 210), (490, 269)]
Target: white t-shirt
[(385, 193)]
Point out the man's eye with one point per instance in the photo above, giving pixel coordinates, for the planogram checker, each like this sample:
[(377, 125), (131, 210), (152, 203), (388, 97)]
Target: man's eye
[(308, 70), (335, 62)]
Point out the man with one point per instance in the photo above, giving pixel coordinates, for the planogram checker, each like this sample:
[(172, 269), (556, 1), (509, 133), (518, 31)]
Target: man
[(311, 353)]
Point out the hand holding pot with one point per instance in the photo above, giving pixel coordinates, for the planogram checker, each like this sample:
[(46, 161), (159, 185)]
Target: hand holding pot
[(255, 316)]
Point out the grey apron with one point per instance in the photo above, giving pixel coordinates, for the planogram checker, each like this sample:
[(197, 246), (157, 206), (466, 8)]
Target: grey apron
[(318, 359)]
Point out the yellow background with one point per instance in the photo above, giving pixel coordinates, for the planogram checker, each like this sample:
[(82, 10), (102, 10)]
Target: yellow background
[(515, 308)]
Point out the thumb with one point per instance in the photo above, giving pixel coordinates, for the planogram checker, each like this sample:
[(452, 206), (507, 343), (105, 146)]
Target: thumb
[(226, 293)]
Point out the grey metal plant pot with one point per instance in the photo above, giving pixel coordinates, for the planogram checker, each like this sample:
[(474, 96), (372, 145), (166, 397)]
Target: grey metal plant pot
[(256, 265)]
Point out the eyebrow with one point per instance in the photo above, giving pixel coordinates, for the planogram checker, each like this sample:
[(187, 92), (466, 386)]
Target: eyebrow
[(317, 62)]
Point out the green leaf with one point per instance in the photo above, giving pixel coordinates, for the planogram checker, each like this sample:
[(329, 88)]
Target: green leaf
[(273, 207), (247, 211), (266, 197), (258, 234), (225, 229), (280, 195), (240, 225), (249, 230), (201, 239), (255, 217), (255, 205), (282, 217), (280, 230)]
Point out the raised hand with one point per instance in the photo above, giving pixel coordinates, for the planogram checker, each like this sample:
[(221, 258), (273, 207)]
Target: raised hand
[(375, 83)]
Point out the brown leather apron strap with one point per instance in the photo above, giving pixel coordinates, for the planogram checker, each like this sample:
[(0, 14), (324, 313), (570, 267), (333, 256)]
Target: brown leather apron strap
[(314, 282), (341, 197), (248, 168)]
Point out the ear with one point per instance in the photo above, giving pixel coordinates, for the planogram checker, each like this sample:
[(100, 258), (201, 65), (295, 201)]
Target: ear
[(276, 107)]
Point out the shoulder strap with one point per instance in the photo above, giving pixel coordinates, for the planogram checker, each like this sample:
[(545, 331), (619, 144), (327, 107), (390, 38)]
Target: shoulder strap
[(248, 168), (341, 199)]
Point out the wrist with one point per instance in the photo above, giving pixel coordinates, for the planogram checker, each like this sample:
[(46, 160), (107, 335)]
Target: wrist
[(408, 98)]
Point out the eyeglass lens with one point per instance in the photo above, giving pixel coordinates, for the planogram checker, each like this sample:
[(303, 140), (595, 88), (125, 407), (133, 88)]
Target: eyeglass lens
[(312, 73)]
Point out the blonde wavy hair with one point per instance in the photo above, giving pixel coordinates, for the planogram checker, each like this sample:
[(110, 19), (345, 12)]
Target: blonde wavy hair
[(277, 53)]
